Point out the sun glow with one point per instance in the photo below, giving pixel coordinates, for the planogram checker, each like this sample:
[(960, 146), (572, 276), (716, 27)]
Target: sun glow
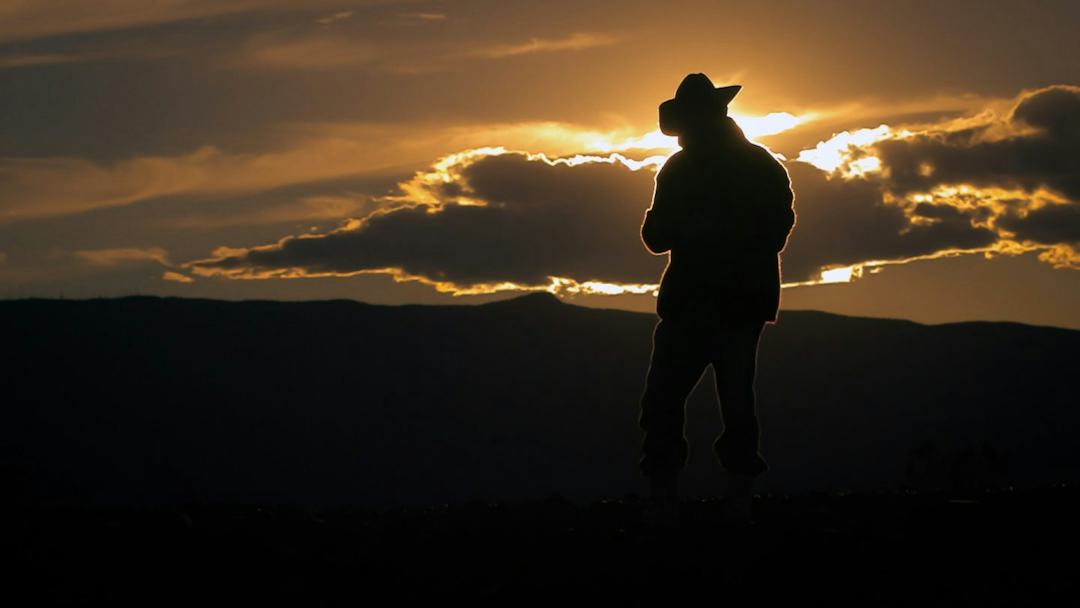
[(770, 124), (846, 153), (562, 285), (843, 274), (1064, 256), (840, 275), (653, 140), (752, 126), (581, 159)]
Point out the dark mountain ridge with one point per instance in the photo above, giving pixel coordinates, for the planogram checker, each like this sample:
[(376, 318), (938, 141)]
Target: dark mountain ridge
[(146, 400)]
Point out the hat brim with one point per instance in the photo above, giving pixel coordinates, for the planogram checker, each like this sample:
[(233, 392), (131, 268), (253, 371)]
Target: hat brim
[(673, 113)]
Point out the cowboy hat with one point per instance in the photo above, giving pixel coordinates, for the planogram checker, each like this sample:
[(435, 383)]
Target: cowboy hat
[(696, 95)]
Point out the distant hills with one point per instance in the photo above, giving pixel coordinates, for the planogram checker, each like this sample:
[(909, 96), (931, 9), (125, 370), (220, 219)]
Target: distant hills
[(147, 400)]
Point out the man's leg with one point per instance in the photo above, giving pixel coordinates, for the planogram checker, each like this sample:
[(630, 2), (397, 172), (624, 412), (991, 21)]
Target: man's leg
[(676, 367), (735, 365)]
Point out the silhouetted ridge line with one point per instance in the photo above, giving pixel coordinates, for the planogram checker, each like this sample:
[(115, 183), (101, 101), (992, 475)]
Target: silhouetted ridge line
[(539, 298), (10, 306), (151, 400)]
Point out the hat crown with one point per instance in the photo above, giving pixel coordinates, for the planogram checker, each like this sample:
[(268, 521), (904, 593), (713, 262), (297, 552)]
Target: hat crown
[(695, 86), (696, 100)]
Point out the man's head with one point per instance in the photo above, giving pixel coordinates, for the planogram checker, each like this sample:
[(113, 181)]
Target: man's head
[(697, 104)]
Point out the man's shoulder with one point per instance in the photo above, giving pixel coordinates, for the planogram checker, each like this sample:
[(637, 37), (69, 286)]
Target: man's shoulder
[(675, 161), (674, 165), (758, 152), (761, 161), (766, 155)]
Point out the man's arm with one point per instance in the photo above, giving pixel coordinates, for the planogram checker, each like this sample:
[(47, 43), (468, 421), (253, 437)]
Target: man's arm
[(776, 205), (661, 228)]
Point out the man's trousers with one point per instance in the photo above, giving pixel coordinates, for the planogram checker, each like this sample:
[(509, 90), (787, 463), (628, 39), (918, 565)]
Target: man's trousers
[(682, 349)]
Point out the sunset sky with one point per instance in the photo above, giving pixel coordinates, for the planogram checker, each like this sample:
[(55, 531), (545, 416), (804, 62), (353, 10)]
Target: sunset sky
[(468, 151)]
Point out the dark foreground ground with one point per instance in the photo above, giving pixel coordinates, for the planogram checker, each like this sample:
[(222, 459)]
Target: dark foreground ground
[(989, 548)]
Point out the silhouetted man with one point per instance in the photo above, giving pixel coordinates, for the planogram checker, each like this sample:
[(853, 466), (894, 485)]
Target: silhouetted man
[(723, 209)]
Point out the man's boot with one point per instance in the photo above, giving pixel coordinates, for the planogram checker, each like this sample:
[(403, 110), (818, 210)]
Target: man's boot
[(739, 499), (663, 508)]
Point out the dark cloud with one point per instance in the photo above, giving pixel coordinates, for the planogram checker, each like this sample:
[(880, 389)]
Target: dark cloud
[(1047, 157), (1050, 225), (1055, 110), (583, 222), (539, 220), (847, 221), (1035, 148), (937, 212)]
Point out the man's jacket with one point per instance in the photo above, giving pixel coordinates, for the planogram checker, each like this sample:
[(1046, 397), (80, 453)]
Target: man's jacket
[(723, 208)]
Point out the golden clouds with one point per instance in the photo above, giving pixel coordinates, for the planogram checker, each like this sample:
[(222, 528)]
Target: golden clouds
[(846, 153), (774, 123), (39, 187), (55, 186), (31, 60), (1008, 171), (560, 286), (489, 219), (296, 210), (124, 255), (176, 277), (423, 16), (575, 42), (27, 19), (549, 206), (754, 127), (482, 221), (325, 49), (309, 52), (338, 16)]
